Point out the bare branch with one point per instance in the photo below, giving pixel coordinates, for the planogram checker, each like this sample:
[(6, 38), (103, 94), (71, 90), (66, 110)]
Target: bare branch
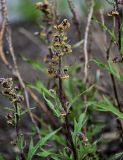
[(86, 39), (75, 18)]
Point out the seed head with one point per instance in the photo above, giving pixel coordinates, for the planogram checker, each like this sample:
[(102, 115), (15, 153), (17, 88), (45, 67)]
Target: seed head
[(9, 91)]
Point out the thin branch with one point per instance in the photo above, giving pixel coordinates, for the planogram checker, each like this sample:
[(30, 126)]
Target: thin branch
[(103, 23), (86, 39), (63, 103), (117, 17), (17, 120), (2, 32), (75, 18)]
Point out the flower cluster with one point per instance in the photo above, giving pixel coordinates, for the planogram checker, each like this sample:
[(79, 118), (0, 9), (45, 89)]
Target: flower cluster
[(10, 118), (47, 9), (59, 48), (115, 11), (117, 60), (8, 90)]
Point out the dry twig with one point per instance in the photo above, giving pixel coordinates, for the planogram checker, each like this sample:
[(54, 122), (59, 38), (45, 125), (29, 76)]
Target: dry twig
[(86, 39), (75, 18)]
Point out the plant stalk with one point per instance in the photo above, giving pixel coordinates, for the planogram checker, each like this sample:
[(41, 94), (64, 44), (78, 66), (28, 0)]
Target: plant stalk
[(17, 120), (118, 23), (63, 103)]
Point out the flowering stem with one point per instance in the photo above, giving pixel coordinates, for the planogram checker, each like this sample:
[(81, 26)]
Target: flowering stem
[(17, 128), (63, 103), (17, 119), (118, 23)]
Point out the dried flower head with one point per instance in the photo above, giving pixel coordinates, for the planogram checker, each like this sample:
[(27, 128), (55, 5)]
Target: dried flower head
[(113, 13), (59, 48), (117, 60), (10, 118), (83, 137), (47, 9), (8, 90), (63, 26)]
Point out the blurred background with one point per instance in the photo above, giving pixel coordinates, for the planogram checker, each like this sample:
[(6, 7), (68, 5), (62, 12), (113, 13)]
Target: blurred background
[(24, 9)]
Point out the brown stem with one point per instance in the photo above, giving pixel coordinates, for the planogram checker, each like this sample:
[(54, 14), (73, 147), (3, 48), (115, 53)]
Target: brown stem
[(17, 128), (17, 120), (117, 18), (67, 126), (86, 40), (75, 18), (119, 122), (118, 23)]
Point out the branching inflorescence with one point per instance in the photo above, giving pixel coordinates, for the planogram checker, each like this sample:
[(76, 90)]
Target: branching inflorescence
[(59, 48), (8, 90), (46, 8)]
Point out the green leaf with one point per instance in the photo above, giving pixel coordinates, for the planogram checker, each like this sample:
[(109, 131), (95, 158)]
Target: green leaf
[(44, 153), (36, 64), (78, 96), (99, 63), (55, 158), (33, 149), (26, 110), (109, 31), (52, 107), (78, 44), (110, 68), (20, 142), (40, 87), (74, 67), (106, 106), (27, 10), (117, 156), (2, 158), (9, 109), (78, 126)]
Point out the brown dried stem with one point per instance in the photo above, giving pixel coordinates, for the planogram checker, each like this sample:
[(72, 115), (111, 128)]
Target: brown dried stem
[(63, 103), (117, 17), (2, 32), (86, 39), (75, 18)]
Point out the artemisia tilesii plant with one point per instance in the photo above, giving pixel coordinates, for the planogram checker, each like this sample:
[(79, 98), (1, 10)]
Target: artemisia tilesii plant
[(60, 48), (69, 101), (8, 90)]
